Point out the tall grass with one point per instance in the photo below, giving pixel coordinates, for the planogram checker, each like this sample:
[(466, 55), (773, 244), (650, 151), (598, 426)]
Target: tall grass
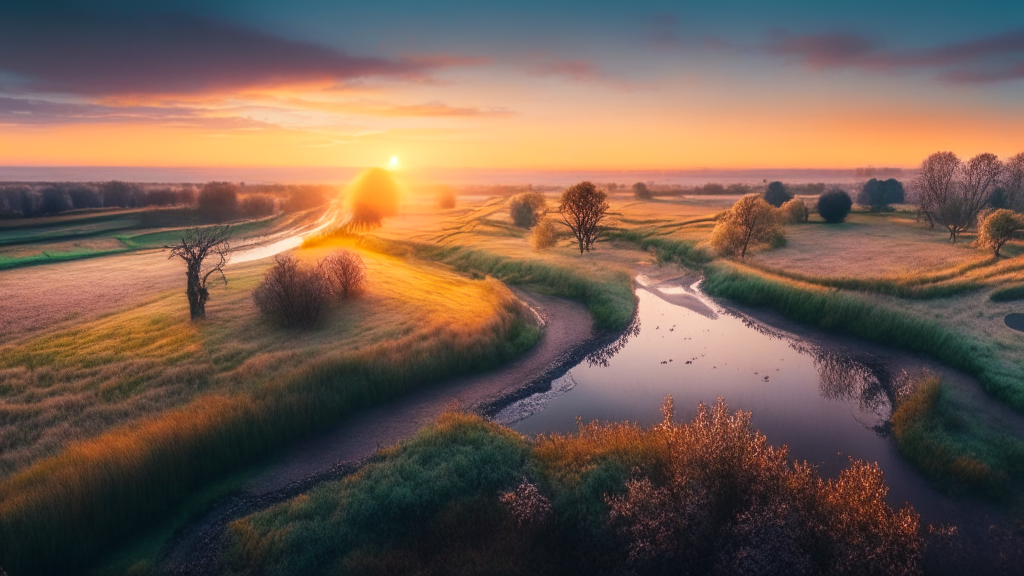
[(1008, 294), (65, 511), (666, 250), (834, 310), (955, 451)]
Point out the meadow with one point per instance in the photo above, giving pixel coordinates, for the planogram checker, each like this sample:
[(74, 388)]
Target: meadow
[(115, 415)]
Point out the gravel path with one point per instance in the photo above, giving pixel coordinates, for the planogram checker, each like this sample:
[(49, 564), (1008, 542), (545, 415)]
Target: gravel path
[(569, 336)]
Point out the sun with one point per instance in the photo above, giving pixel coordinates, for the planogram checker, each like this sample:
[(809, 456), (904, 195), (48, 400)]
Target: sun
[(393, 163)]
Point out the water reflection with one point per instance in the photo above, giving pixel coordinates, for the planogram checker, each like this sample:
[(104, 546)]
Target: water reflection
[(602, 356)]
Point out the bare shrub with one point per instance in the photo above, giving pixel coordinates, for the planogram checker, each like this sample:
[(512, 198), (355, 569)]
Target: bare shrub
[(293, 294), (997, 227), (196, 245), (526, 209), (257, 205), (544, 235), (345, 272), (527, 504), (795, 211), (751, 220), (582, 208)]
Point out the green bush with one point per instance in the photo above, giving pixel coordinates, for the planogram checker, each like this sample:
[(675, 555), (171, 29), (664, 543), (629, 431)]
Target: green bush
[(834, 205)]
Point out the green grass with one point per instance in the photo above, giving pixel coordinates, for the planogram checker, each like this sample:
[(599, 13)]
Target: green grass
[(957, 452), (65, 511), (666, 249), (1008, 294), (7, 262)]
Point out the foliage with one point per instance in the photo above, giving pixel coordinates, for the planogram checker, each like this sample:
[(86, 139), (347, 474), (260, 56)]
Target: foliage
[(834, 205), (218, 200), (642, 192), (371, 198), (879, 194), (257, 206), (776, 194), (750, 221), (527, 208), (583, 207), (544, 235), (997, 228), (795, 211), (467, 496)]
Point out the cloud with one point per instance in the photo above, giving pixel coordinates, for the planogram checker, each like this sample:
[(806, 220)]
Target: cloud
[(388, 109), (102, 54), (995, 58), (580, 70), (28, 111)]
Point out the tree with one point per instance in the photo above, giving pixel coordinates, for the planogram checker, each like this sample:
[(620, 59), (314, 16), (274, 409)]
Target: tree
[(527, 208), (776, 194), (751, 220), (834, 205), (642, 192), (544, 235), (878, 194), (1013, 182), (196, 245), (795, 211), (953, 193), (935, 183), (219, 200), (997, 227), (893, 191), (582, 208)]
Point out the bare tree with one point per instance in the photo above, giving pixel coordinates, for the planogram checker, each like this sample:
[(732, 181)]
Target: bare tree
[(936, 181), (345, 272), (583, 207), (953, 193), (197, 244), (1013, 182)]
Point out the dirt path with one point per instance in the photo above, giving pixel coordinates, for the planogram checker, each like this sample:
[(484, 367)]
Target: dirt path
[(569, 335)]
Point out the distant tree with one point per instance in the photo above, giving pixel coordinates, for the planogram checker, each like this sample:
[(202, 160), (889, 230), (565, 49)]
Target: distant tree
[(750, 221), (834, 205), (345, 272), (1013, 182), (776, 194), (196, 245), (54, 200), (641, 192), (544, 235), (997, 228), (795, 211), (117, 194), (446, 199), (527, 208), (953, 193), (582, 208), (218, 200), (257, 205), (894, 192), (374, 196), (84, 197)]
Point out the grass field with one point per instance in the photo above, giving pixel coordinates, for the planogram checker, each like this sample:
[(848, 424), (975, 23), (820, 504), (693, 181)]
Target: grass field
[(114, 421)]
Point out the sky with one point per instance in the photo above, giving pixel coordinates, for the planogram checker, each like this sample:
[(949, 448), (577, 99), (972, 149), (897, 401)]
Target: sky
[(519, 85)]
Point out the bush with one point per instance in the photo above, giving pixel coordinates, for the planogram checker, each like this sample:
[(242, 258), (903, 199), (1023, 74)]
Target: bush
[(877, 195), (527, 208), (997, 227), (642, 192), (795, 211), (345, 272), (776, 194), (750, 221), (293, 294), (257, 206), (218, 200), (544, 235), (834, 205)]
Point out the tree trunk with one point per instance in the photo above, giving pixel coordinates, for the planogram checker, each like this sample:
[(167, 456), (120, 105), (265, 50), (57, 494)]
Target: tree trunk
[(197, 296)]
